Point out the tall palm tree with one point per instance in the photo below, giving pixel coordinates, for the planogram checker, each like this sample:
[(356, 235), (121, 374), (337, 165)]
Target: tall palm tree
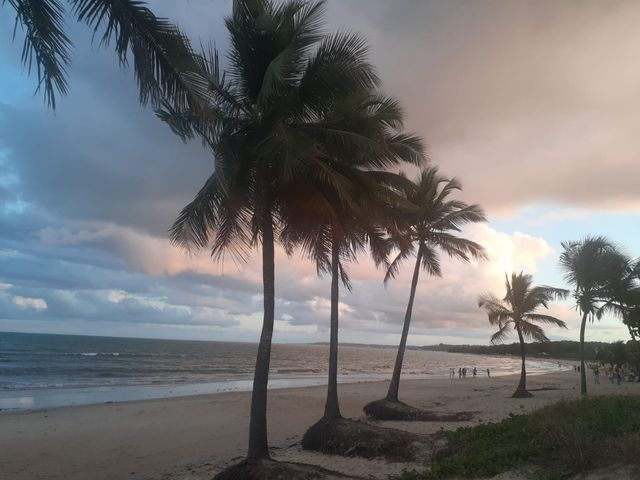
[(161, 53), (270, 134), (333, 229), (517, 311), (591, 266), (333, 235), (429, 226)]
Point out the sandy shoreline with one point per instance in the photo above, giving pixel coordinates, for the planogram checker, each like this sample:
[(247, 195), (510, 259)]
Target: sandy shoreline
[(191, 438)]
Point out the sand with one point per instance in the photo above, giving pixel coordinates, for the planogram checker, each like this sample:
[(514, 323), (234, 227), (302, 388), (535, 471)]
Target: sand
[(192, 438)]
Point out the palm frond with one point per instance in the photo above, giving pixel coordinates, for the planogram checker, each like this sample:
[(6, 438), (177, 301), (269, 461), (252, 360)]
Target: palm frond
[(394, 266), (497, 312), (501, 334), (532, 332), (46, 46), (161, 53), (537, 317), (430, 261)]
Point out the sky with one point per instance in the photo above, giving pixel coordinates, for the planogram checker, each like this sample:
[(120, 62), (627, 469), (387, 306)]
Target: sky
[(533, 105)]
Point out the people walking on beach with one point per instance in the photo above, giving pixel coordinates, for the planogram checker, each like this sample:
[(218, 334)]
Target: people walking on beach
[(464, 372), (489, 372), (474, 372), (459, 372), (452, 373)]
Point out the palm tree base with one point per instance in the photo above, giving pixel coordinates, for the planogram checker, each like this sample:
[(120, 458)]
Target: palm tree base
[(522, 394), (386, 409), (341, 436), (272, 470)]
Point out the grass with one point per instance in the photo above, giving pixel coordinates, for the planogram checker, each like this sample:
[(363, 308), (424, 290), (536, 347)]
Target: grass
[(556, 442)]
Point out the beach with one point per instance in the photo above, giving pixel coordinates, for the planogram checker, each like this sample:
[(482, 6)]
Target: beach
[(192, 438)]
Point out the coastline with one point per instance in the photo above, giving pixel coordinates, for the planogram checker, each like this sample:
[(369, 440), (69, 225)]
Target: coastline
[(33, 399), (194, 437)]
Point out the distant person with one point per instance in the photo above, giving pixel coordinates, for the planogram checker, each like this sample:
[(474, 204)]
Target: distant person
[(459, 372), (474, 372), (618, 374), (596, 374), (464, 372), (488, 372)]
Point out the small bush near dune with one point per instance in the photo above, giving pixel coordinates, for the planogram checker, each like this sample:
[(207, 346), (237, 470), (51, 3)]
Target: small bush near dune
[(556, 441)]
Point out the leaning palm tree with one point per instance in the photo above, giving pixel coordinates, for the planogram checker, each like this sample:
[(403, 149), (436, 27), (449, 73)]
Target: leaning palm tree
[(429, 226), (161, 53), (266, 125), (517, 311), (591, 265)]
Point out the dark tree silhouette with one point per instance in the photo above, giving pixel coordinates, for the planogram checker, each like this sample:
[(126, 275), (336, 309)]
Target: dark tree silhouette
[(517, 311), (160, 53), (591, 265), (268, 127), (428, 225)]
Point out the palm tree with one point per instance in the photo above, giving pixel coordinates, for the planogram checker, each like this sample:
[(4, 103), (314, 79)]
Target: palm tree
[(429, 226), (161, 53), (335, 235), (333, 229), (270, 135), (517, 310), (591, 266)]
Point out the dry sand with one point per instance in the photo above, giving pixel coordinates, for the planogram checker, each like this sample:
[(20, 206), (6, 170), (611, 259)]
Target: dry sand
[(192, 438)]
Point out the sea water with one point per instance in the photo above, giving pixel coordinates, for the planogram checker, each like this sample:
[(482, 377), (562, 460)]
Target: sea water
[(43, 371)]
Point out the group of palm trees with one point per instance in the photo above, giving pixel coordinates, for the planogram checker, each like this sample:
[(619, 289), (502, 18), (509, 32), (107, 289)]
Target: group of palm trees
[(306, 147), (306, 150), (603, 280)]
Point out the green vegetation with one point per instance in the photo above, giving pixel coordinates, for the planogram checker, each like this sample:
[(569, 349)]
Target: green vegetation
[(564, 349), (556, 441)]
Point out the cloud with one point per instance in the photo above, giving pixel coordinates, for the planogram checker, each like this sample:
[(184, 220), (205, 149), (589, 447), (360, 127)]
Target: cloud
[(34, 303), (530, 102)]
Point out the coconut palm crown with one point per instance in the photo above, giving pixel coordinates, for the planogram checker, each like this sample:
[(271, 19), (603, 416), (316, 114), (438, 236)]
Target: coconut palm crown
[(518, 311)]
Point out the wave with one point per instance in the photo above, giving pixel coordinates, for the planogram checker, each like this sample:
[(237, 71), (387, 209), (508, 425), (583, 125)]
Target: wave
[(98, 354)]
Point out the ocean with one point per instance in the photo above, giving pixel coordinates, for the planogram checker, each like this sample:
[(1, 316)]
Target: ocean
[(44, 371)]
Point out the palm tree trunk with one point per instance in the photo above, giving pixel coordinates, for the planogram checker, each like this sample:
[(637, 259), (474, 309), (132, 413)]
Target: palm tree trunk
[(332, 407), (258, 446), (394, 386), (521, 391), (583, 374)]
